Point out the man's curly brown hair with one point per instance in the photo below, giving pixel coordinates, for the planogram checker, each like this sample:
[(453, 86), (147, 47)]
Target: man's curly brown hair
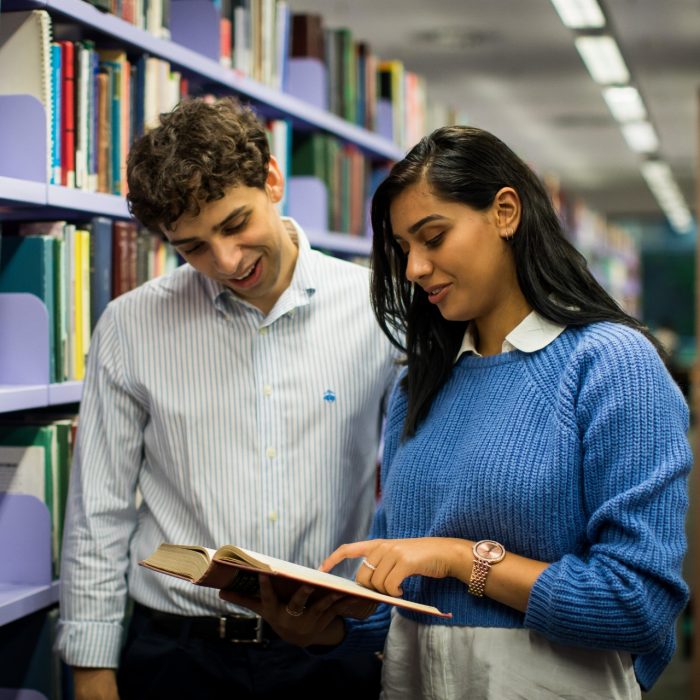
[(199, 150)]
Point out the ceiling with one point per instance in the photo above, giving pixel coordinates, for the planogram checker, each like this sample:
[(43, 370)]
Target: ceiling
[(513, 69)]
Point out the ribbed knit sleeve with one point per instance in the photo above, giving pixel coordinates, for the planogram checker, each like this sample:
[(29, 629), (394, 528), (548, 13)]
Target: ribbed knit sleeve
[(624, 590)]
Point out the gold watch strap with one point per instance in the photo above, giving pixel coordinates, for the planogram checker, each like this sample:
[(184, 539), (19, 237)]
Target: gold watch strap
[(477, 581)]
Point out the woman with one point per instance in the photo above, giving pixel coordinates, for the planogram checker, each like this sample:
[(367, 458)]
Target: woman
[(535, 460)]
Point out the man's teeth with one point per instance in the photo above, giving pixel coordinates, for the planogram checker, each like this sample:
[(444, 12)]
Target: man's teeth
[(247, 274)]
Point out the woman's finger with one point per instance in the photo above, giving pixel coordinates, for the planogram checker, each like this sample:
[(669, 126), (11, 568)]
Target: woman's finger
[(346, 551)]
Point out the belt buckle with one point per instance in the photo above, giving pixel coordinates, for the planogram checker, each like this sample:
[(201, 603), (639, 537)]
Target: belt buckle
[(258, 639)]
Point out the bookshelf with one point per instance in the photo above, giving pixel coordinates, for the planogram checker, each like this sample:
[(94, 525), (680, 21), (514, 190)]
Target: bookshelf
[(25, 193)]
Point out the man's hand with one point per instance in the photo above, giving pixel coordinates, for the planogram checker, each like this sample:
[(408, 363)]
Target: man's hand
[(95, 684), (317, 623)]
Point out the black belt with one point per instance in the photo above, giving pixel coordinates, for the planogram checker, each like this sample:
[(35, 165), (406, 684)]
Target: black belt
[(233, 628)]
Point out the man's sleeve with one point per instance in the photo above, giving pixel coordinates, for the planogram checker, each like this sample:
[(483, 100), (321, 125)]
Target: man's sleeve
[(101, 512)]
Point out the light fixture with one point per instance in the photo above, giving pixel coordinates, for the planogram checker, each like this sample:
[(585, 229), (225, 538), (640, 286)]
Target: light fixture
[(640, 136), (625, 103), (580, 14), (603, 59), (667, 193)]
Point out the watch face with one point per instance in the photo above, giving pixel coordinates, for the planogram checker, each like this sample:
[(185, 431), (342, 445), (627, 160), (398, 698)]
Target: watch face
[(489, 550)]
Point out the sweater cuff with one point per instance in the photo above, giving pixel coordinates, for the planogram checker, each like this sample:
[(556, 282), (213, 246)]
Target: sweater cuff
[(539, 607)]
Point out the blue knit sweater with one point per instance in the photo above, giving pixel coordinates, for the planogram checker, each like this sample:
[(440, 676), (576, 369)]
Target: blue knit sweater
[(576, 455)]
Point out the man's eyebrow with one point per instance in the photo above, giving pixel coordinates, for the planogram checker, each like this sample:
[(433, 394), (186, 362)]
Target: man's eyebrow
[(422, 222), (222, 224)]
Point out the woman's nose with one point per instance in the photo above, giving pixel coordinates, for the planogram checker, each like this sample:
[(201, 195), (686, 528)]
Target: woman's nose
[(417, 266)]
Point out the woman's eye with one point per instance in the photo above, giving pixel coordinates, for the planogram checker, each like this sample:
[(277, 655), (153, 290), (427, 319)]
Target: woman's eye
[(434, 241)]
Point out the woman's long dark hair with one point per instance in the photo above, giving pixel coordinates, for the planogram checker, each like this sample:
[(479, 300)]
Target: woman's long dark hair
[(468, 165)]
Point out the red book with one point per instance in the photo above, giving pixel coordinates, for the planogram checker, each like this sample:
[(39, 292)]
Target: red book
[(67, 113)]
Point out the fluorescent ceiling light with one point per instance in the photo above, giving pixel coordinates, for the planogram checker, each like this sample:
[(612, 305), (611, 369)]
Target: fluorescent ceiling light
[(625, 103), (580, 14), (603, 59), (669, 196), (640, 136)]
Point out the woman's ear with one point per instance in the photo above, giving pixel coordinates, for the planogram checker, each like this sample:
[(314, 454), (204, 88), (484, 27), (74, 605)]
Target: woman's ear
[(274, 184), (507, 210)]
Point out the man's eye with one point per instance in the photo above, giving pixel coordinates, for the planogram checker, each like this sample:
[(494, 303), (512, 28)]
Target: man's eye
[(193, 249), (236, 227)]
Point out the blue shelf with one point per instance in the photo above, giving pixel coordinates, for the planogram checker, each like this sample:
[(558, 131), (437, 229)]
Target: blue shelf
[(21, 397), (15, 191), (18, 601), (340, 242), (22, 191)]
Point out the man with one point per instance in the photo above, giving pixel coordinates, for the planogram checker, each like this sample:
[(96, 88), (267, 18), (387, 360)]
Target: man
[(241, 395)]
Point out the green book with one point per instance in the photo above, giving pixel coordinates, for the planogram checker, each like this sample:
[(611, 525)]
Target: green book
[(29, 460), (27, 265)]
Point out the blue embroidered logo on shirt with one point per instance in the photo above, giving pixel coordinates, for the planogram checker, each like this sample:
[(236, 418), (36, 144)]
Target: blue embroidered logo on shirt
[(329, 396)]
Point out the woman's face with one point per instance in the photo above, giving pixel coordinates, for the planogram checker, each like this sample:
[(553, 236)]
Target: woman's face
[(457, 254)]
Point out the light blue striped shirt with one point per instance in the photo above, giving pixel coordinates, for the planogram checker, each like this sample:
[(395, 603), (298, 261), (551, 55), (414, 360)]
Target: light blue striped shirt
[(234, 427)]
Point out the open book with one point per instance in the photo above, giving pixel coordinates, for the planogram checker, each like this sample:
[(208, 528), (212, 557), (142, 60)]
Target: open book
[(234, 568)]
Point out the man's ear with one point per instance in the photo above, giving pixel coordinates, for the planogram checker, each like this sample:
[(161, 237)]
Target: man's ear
[(507, 209), (274, 184)]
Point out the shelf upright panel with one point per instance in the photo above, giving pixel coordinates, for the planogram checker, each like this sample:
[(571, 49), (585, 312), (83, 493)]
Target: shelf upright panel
[(23, 166), (24, 352), (25, 550)]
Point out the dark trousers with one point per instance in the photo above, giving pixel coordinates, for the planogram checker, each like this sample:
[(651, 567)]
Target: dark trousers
[(158, 665)]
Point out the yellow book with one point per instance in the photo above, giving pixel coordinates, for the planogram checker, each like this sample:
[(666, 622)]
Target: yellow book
[(85, 290)]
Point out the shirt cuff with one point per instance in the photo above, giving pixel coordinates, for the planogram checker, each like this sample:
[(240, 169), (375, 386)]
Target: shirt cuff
[(89, 644)]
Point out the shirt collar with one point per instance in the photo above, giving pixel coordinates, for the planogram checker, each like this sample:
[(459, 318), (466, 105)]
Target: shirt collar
[(533, 333), (299, 292)]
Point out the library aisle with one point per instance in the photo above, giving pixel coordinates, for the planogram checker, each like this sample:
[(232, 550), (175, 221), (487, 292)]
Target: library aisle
[(344, 89)]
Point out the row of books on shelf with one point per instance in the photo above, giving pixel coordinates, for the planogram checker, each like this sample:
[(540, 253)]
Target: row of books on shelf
[(97, 98), (151, 15), (75, 269), (611, 251), (36, 450), (100, 102)]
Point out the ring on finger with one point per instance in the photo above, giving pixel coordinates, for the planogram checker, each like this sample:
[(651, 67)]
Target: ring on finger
[(372, 567), (294, 613)]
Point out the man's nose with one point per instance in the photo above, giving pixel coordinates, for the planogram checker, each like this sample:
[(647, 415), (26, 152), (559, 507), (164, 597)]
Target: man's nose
[(227, 256)]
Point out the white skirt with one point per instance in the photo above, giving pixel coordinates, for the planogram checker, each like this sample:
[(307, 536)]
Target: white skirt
[(439, 662)]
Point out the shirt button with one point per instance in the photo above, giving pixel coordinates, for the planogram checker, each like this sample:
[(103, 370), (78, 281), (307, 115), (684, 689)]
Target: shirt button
[(267, 390), (263, 330), (271, 452), (272, 516)]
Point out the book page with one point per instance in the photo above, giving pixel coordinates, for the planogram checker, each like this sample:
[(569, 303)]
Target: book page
[(22, 471), (338, 583)]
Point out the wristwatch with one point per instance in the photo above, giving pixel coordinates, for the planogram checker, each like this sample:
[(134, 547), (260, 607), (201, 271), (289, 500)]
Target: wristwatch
[(486, 554)]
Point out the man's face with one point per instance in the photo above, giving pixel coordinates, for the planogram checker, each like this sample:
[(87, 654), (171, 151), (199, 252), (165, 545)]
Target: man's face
[(241, 242)]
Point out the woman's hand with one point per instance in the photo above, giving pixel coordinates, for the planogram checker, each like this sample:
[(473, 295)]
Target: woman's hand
[(387, 563), (298, 621)]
